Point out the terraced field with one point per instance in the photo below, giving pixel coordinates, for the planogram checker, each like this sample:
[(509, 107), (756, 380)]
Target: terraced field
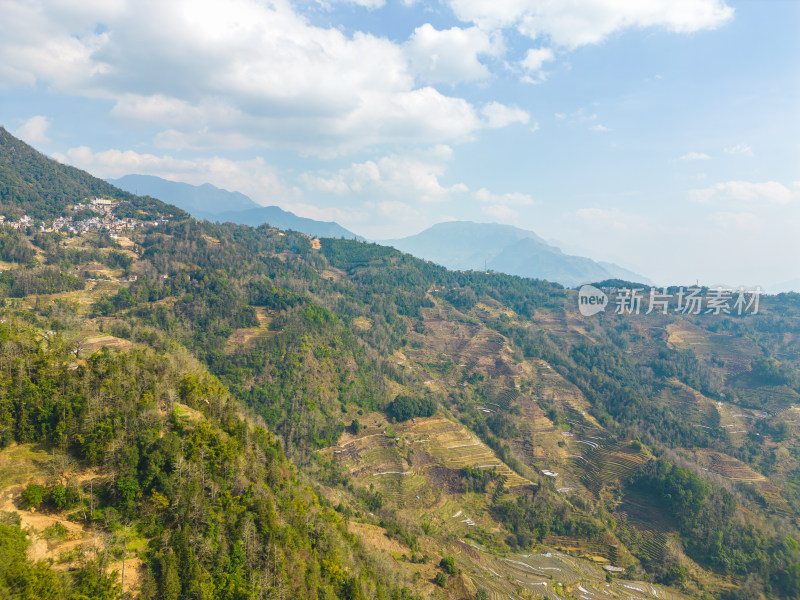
[(734, 351), (650, 526), (597, 551), (410, 467), (94, 342), (737, 421), (552, 575), (455, 448), (693, 406), (771, 399), (549, 385), (735, 470), (505, 397), (242, 336), (453, 336), (82, 299), (555, 434), (604, 462), (565, 325)]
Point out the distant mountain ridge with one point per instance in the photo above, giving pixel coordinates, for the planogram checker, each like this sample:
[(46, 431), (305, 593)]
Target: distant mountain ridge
[(215, 204), (466, 245), (206, 198), (784, 287)]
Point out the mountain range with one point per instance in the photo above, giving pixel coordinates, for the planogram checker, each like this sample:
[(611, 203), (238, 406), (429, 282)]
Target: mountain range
[(457, 245), (217, 205), (468, 246)]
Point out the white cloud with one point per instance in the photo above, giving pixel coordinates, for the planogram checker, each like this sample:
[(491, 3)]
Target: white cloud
[(740, 149), (501, 212), (43, 43), (395, 209), (535, 59), (574, 23), (502, 206), (746, 193), (742, 221), (244, 72), (369, 4), (509, 199), (160, 110), (391, 178), (254, 178), (394, 218), (583, 118), (449, 56), (259, 73), (34, 130), (533, 62), (695, 156), (499, 115)]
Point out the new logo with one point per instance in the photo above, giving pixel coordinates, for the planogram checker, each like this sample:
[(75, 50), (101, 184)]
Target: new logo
[(591, 300)]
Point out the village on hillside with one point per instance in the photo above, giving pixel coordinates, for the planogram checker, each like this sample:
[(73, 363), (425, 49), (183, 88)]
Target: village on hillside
[(104, 220)]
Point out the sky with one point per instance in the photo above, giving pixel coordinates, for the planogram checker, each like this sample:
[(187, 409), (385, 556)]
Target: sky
[(663, 135)]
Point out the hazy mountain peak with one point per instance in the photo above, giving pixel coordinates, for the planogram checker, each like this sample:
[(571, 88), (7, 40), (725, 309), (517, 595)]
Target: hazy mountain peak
[(207, 199), (467, 245)]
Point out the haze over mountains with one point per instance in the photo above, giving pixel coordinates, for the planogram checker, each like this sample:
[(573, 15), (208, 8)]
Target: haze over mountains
[(214, 204), (458, 245), (463, 245)]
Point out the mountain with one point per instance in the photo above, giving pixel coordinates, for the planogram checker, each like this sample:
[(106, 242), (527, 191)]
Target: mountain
[(465, 245), (462, 245), (203, 199), (217, 205), (530, 259), (283, 219), (200, 410), (623, 273), (785, 287)]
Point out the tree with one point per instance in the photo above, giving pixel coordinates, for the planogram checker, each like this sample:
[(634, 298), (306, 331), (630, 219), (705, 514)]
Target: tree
[(59, 497), (448, 565)]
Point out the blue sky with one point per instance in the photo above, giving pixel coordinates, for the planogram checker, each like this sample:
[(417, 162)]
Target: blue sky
[(659, 134)]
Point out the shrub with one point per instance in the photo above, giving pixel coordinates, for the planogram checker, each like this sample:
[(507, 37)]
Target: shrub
[(33, 496)]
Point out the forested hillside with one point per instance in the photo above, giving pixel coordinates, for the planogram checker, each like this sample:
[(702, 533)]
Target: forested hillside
[(41, 188), (191, 410)]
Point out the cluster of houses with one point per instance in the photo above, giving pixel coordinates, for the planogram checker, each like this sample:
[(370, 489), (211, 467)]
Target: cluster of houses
[(23, 223), (105, 221)]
